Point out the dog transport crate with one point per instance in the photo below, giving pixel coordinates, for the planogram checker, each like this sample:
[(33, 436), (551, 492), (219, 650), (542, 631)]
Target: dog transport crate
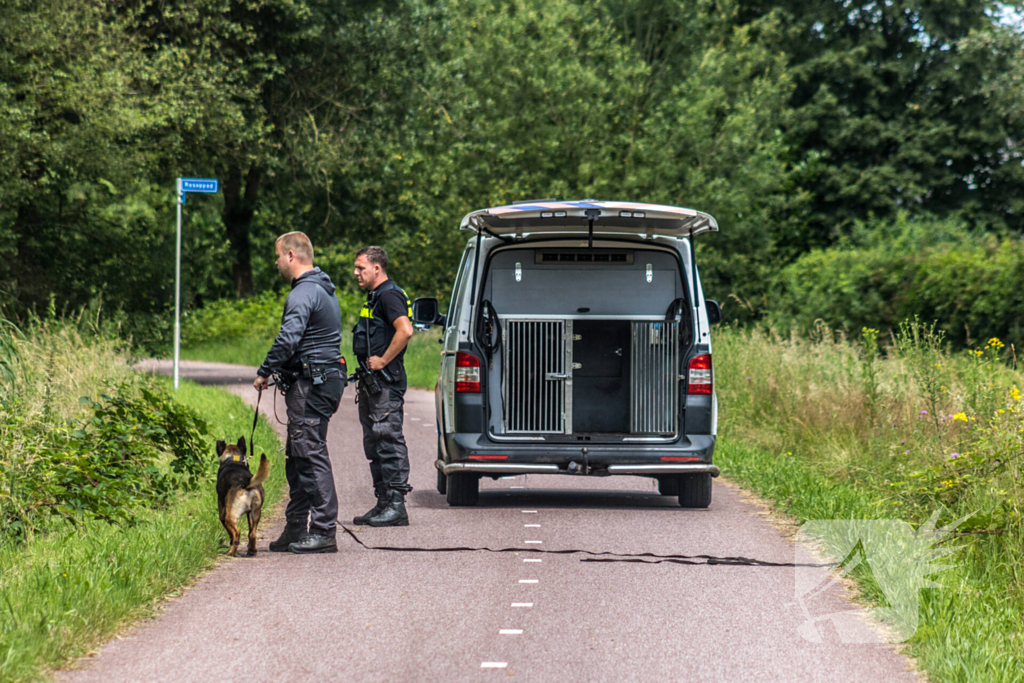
[(598, 376)]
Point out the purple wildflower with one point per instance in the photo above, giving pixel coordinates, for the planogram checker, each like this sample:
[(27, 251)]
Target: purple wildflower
[(955, 455)]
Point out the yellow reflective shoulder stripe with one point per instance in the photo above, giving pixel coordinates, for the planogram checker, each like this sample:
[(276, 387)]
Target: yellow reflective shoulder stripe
[(407, 302), (367, 312)]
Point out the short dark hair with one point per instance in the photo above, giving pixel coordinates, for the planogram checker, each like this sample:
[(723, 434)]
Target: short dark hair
[(375, 255)]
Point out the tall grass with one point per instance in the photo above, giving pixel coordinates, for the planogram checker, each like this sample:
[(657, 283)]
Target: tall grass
[(64, 593), (112, 545), (831, 428), (49, 368)]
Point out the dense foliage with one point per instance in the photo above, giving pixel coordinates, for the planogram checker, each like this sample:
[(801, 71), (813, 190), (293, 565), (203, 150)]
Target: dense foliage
[(972, 287), (386, 120), (81, 437)]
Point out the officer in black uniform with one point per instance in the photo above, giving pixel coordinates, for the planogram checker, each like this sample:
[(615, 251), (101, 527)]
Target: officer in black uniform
[(306, 357), (379, 341)]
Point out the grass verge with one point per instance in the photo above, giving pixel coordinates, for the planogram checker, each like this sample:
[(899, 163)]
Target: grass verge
[(828, 429), (64, 594), (969, 628)]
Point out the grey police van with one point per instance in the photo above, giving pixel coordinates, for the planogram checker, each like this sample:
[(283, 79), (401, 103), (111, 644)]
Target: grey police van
[(577, 342)]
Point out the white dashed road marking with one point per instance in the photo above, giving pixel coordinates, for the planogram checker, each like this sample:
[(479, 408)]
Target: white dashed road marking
[(535, 526), (533, 541), (493, 665), (531, 560), (529, 512), (529, 581), (522, 604), (510, 632)]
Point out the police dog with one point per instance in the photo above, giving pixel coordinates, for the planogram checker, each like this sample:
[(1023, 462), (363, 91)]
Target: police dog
[(239, 492)]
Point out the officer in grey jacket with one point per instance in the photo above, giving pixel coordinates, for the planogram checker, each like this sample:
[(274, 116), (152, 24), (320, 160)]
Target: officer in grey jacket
[(306, 357)]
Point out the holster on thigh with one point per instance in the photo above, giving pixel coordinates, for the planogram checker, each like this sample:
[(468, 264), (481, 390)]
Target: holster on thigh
[(378, 408)]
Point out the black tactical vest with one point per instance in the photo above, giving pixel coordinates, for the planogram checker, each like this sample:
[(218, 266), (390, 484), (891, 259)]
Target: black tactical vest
[(372, 335)]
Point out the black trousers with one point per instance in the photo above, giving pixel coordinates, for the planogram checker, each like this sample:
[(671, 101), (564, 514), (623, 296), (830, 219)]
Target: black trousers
[(381, 417), (307, 465)]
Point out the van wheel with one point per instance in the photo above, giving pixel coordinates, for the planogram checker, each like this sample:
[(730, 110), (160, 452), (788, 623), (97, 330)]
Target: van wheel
[(442, 479), (463, 489), (695, 490), (668, 485)]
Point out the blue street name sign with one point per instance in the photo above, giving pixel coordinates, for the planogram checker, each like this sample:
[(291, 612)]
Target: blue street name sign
[(205, 185)]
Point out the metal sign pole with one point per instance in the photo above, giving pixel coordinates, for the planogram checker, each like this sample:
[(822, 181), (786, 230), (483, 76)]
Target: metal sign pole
[(177, 293), (205, 186)]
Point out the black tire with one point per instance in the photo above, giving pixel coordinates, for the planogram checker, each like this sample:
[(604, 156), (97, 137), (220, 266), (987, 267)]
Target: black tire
[(668, 485), (442, 480), (695, 490), (463, 489)]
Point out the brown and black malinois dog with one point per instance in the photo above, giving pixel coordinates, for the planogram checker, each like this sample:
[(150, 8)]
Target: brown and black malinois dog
[(239, 492)]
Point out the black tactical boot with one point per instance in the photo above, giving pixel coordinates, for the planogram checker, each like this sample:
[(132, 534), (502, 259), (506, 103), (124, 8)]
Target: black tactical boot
[(293, 531), (394, 514), (382, 502), (314, 543)]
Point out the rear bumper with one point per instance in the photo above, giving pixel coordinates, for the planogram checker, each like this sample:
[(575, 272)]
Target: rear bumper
[(526, 468), (476, 453)]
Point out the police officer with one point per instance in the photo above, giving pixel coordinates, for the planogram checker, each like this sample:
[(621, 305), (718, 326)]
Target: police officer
[(379, 341), (306, 357)]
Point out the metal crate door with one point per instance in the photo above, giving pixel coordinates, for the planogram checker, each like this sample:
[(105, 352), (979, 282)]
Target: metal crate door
[(654, 394), (536, 380)]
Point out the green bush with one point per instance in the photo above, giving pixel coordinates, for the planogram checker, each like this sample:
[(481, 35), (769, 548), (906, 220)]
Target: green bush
[(973, 287), (81, 436), (257, 317)]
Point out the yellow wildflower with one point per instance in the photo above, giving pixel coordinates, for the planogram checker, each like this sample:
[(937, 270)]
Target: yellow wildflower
[(960, 416), (995, 343), (1015, 394)]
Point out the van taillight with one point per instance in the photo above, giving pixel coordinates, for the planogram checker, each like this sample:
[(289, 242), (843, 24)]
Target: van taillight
[(700, 381), (467, 373)]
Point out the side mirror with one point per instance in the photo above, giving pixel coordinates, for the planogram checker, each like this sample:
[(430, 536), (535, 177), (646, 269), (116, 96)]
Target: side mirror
[(425, 311), (714, 311)]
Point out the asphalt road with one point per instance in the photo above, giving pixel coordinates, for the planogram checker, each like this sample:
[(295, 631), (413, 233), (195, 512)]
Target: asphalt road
[(365, 615)]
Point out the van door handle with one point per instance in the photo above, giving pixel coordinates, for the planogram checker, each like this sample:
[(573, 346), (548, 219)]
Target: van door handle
[(556, 375)]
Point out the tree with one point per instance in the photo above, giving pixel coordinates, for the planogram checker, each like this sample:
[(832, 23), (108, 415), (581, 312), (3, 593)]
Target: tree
[(900, 106)]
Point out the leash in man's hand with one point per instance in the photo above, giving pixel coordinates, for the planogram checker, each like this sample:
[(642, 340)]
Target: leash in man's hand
[(255, 419)]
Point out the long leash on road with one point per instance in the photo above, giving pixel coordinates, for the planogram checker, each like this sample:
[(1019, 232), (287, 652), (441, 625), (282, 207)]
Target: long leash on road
[(598, 556)]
